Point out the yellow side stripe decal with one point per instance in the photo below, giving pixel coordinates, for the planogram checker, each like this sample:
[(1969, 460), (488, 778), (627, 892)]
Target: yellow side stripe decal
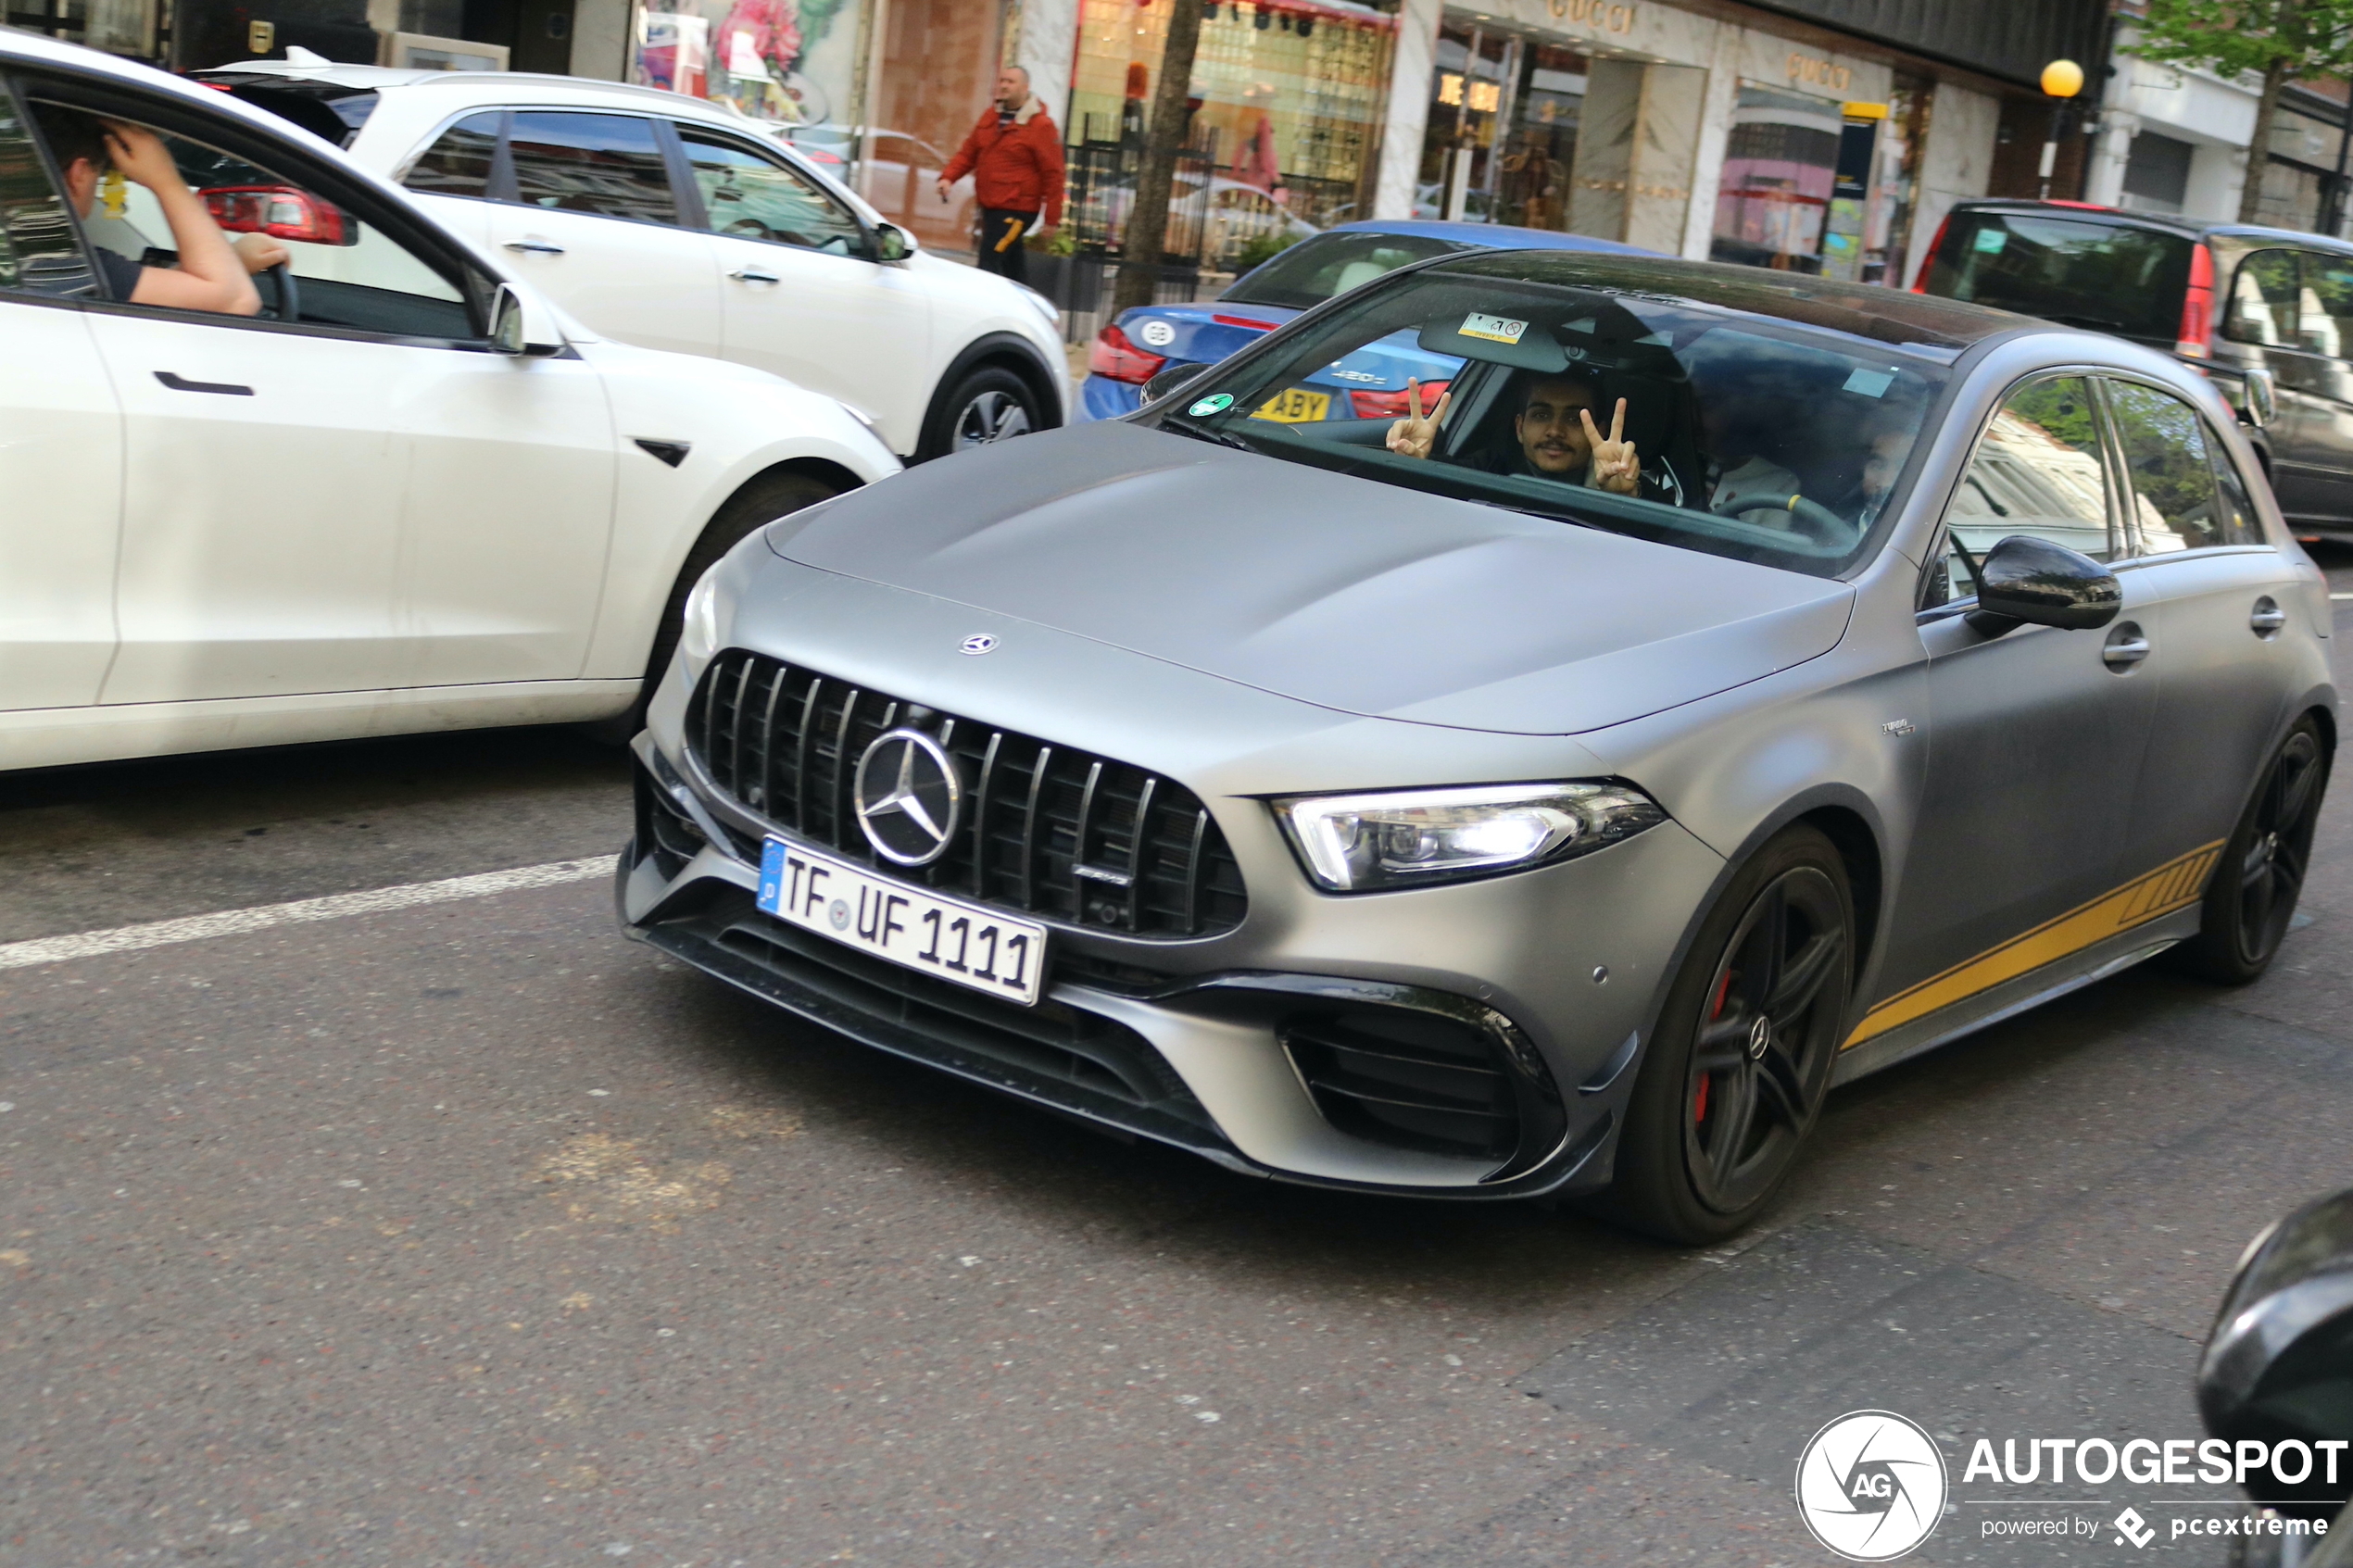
[(2174, 885)]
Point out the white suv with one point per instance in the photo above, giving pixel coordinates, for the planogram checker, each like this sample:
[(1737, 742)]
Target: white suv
[(406, 494), (661, 219)]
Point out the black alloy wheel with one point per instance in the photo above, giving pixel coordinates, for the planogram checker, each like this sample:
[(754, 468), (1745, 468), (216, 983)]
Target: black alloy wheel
[(1733, 1085), (2250, 900)]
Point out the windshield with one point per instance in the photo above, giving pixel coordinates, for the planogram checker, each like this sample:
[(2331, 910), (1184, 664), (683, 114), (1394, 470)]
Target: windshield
[(1564, 387), (1313, 271), (2082, 271)]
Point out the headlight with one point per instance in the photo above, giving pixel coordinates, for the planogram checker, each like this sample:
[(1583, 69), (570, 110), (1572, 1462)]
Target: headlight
[(699, 633), (1356, 843)]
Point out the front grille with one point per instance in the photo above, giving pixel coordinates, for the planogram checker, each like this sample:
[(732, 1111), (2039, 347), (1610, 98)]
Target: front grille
[(1050, 831), (1412, 1080)]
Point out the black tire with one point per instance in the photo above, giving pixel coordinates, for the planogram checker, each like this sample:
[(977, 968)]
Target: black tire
[(989, 404), (2251, 897), (1732, 1085), (759, 503)]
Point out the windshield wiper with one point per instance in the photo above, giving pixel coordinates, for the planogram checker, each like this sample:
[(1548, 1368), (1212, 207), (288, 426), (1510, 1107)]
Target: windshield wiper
[(1199, 434)]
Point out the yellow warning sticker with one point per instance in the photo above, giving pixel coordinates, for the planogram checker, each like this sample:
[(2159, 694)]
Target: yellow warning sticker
[(1495, 328)]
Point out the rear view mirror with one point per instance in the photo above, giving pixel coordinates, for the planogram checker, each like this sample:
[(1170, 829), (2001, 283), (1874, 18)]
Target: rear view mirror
[(280, 211), (2031, 581), (2263, 402), (1168, 380), (519, 324), (892, 242), (2278, 1368)]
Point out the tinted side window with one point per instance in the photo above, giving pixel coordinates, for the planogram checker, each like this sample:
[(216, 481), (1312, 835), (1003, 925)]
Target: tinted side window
[(2263, 300), (757, 198), (2175, 505), (457, 164), (2325, 316), (2037, 472), (2240, 525), (606, 164), (37, 247)]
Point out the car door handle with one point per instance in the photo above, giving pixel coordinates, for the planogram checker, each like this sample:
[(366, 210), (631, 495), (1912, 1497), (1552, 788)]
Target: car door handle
[(754, 275), (181, 383), (2266, 618), (2127, 645), (536, 247)]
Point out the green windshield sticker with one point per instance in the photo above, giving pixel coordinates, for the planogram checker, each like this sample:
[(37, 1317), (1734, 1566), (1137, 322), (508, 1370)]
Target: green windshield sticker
[(1216, 403), (1991, 240)]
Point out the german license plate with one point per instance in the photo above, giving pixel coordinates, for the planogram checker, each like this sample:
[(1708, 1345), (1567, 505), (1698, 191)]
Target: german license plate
[(969, 943), (1296, 405)]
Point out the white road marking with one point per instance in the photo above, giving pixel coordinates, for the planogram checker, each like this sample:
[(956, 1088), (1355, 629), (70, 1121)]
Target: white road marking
[(233, 922), (2341, 595)]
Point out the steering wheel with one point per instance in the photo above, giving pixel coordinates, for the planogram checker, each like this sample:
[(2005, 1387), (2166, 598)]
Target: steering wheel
[(750, 228), (289, 306), (1822, 522)]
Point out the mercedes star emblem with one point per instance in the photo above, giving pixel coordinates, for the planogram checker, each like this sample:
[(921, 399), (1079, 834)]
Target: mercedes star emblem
[(980, 643), (908, 798)]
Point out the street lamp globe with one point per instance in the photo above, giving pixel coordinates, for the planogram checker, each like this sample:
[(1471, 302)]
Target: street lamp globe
[(2062, 78)]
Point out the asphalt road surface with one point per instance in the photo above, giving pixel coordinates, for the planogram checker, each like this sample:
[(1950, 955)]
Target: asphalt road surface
[(468, 1232)]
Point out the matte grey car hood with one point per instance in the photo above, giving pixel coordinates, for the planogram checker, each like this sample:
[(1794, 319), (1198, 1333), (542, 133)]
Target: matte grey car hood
[(1337, 591)]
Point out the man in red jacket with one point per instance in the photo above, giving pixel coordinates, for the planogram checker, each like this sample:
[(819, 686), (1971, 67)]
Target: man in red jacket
[(1015, 155)]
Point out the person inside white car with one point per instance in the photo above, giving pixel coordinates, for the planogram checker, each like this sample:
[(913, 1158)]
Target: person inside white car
[(212, 274)]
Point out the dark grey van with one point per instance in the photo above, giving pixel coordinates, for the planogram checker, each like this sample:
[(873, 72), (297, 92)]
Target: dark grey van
[(2267, 314)]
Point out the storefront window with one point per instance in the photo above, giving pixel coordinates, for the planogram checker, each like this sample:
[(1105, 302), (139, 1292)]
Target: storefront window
[(1896, 193), (1778, 166), (1502, 134), (791, 61), (1288, 99)]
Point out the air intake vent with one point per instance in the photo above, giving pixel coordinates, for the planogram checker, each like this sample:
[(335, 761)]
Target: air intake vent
[(1052, 832), (1412, 1080)]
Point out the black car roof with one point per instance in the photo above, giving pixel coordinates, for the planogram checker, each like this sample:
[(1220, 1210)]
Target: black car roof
[(1867, 310), (2193, 228)]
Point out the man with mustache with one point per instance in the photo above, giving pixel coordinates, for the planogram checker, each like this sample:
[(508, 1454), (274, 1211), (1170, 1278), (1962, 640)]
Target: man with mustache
[(1557, 436)]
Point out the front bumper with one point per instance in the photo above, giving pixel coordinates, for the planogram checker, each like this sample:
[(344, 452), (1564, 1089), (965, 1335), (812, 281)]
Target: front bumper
[(1235, 1050)]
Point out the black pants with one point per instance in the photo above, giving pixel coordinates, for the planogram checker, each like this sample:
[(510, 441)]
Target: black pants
[(1001, 234)]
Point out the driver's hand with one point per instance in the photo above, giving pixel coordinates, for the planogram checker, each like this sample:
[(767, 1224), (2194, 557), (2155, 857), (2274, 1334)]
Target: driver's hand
[(1615, 467), (1416, 435), (261, 253), (139, 155)]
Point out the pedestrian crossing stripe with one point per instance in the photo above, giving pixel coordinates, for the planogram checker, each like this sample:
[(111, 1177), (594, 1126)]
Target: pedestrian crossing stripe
[(2176, 885)]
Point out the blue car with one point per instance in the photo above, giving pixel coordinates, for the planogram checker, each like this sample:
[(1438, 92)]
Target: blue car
[(1368, 384)]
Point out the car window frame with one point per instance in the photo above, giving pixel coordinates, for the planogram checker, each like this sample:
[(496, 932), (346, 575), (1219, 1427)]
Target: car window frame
[(2230, 312), (502, 169), (11, 90), (690, 190), (504, 190), (2216, 451), (476, 284), (1932, 560)]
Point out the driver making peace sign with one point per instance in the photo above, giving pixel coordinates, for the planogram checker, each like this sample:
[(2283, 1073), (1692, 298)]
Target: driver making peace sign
[(1557, 436)]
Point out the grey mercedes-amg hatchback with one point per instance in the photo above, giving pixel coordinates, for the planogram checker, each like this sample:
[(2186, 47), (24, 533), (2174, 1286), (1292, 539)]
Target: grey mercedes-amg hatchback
[(1726, 684)]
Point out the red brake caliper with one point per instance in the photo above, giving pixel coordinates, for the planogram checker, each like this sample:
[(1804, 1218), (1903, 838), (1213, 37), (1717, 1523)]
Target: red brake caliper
[(1699, 1101)]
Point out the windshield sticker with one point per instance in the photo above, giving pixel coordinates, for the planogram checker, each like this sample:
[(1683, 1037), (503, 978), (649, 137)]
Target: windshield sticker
[(1991, 240), (1870, 383), (1495, 328), (1216, 403)]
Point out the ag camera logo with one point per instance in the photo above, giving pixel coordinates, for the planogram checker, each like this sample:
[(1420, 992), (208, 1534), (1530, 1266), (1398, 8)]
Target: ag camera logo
[(1871, 1485)]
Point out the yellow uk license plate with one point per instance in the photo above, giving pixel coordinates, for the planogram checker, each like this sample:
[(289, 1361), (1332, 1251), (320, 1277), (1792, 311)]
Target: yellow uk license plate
[(1296, 405)]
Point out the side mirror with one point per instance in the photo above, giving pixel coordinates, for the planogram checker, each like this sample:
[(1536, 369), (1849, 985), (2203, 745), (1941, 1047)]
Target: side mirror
[(1169, 380), (519, 325), (2278, 1368), (892, 244), (2026, 580), (2262, 404)]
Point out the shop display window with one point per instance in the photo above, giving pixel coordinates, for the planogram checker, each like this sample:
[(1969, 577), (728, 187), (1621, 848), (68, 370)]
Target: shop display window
[(1502, 134), (789, 61), (1288, 99), (1779, 164)]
